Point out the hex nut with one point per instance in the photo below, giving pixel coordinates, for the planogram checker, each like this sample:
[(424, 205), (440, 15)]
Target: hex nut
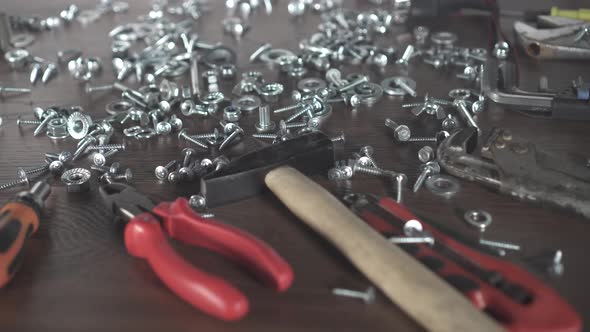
[(76, 180), (232, 113), (79, 125)]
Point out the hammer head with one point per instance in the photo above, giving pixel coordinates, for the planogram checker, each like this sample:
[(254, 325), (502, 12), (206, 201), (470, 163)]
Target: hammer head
[(244, 176)]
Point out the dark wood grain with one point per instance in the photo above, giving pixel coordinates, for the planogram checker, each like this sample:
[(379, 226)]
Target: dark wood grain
[(77, 276)]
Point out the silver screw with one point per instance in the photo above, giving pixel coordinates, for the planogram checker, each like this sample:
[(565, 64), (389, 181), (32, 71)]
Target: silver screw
[(50, 70), (353, 84), (163, 171), (237, 131), (399, 183), (20, 122), (288, 108), (403, 84), (402, 133), (5, 89), (49, 115), (265, 124), (183, 135), (35, 71), (107, 147), (127, 176), (408, 52), (411, 239), (22, 180), (367, 296), (334, 76), (265, 136), (501, 245), (187, 154), (461, 106), (584, 31), (84, 143), (33, 171), (100, 158), (426, 154), (427, 169), (441, 135), (556, 268), (91, 89), (367, 151)]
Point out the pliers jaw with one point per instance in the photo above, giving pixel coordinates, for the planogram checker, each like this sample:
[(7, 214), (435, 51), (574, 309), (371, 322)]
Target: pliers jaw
[(124, 201)]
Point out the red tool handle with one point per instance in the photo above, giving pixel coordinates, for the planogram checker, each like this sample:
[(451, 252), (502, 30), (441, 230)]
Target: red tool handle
[(144, 238), (183, 224), (546, 311)]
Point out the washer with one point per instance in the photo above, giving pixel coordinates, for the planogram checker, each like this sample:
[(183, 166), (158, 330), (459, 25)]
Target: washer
[(311, 84), (219, 56), (442, 185), (273, 55), (479, 219), (247, 103), (117, 107), (459, 94)]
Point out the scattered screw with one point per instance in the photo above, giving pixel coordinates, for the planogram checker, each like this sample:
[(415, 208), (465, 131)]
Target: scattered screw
[(5, 89), (556, 268), (501, 245), (402, 133), (163, 171), (461, 106), (426, 154), (49, 72), (427, 169), (405, 58), (399, 181), (367, 296), (183, 135)]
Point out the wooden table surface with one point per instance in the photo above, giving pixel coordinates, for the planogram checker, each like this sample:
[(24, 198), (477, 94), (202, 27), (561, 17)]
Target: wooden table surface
[(77, 276)]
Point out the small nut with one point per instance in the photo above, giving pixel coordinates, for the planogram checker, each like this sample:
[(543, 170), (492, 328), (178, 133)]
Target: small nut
[(76, 179)]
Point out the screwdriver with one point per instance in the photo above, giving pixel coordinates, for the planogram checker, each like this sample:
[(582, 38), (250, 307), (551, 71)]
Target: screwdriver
[(19, 219)]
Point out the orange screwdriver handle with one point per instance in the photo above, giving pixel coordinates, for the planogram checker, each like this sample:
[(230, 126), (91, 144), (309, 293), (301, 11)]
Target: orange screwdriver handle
[(18, 221)]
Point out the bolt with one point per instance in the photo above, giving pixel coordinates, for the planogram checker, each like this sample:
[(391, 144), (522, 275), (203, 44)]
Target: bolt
[(428, 169), (35, 71), (440, 136), (461, 106), (107, 147), (91, 89), (408, 52), (358, 168), (353, 84), (449, 123), (426, 154), (183, 135), (556, 268), (100, 158), (20, 122), (187, 154), (50, 70), (501, 245), (411, 239), (127, 176), (367, 151), (340, 139), (367, 297), (163, 171), (288, 108), (83, 144), (6, 89), (100, 169), (235, 132), (265, 136), (403, 84), (402, 133), (220, 162), (264, 122), (50, 114), (399, 182)]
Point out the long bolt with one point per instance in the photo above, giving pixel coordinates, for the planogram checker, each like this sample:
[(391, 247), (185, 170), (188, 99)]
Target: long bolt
[(6, 89), (44, 123), (404, 86), (227, 141), (353, 84), (501, 245), (428, 169), (183, 135), (91, 89), (264, 123), (367, 297), (288, 108), (107, 147), (401, 132), (461, 106), (408, 52), (20, 122)]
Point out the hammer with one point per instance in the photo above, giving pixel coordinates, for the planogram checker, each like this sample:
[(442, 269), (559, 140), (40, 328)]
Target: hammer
[(430, 301)]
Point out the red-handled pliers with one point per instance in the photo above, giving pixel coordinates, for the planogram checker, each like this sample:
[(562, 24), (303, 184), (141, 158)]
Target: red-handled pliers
[(145, 238)]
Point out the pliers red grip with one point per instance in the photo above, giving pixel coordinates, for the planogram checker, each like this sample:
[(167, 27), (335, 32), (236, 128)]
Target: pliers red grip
[(145, 238)]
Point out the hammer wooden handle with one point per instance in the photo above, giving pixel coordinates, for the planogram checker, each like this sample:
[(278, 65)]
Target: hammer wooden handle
[(416, 290)]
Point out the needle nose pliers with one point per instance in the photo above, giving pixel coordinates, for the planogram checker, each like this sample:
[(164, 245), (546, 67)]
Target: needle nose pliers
[(145, 237)]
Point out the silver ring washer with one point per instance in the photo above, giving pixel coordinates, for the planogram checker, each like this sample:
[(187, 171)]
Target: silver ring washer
[(247, 103), (442, 185), (479, 219), (310, 84)]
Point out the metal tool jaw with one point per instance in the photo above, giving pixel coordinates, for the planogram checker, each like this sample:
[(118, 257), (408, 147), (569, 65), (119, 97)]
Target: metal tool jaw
[(311, 154), (518, 168), (124, 201), (553, 43)]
